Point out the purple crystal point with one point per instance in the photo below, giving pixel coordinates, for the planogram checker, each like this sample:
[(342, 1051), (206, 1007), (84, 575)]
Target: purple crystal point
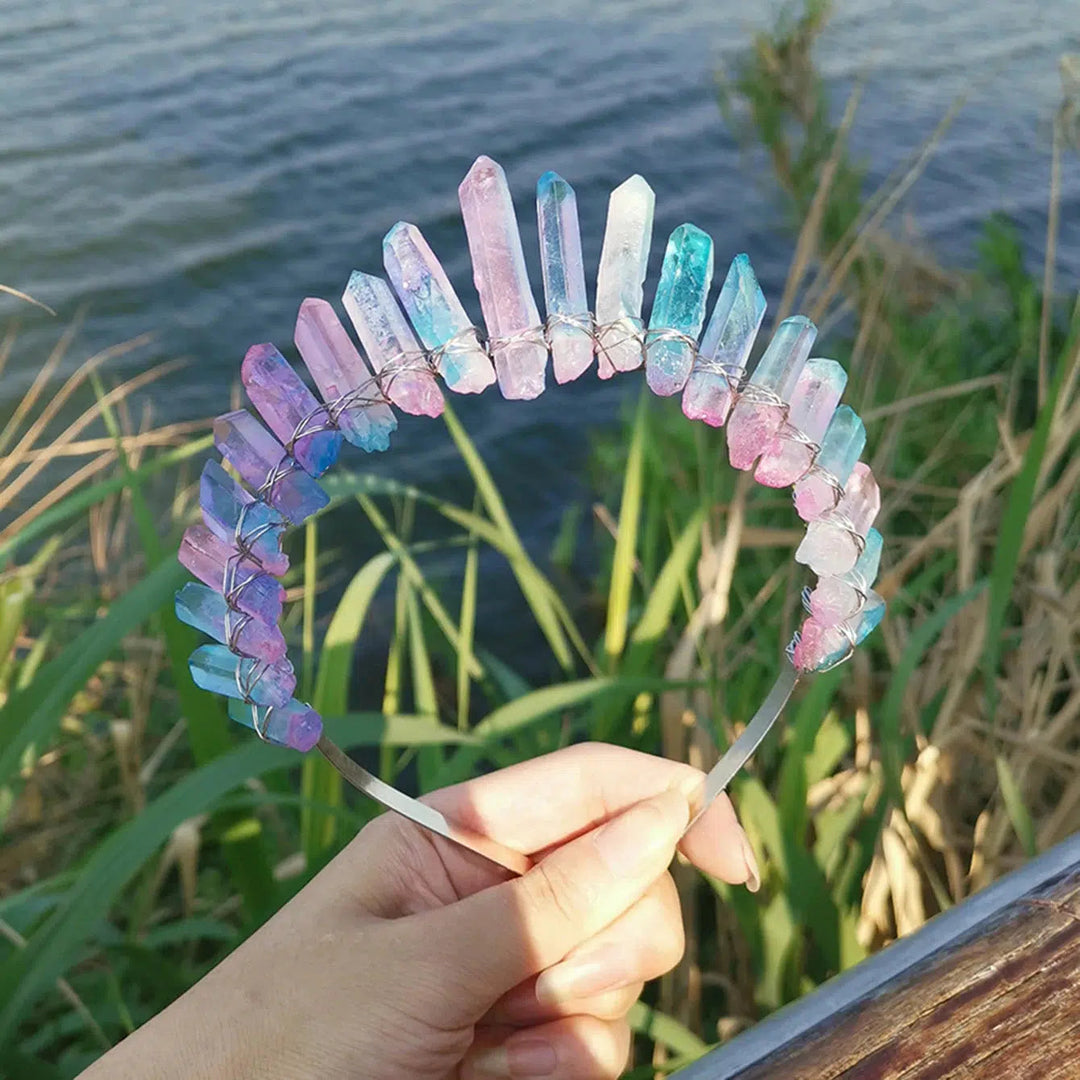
[(435, 311), (564, 278), (289, 408), (230, 513), (624, 259), (215, 668), (813, 402), (725, 346), (837, 599), (206, 610), (759, 412), (292, 725), (819, 490), (218, 564), (343, 379), (502, 281), (257, 455), (834, 541), (394, 352)]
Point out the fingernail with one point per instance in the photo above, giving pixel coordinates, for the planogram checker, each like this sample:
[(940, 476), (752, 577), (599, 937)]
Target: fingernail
[(593, 972), (631, 842), (753, 875), (517, 1058)]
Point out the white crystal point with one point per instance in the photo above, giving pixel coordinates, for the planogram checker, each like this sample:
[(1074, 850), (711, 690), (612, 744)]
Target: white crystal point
[(564, 278), (829, 546), (502, 281), (624, 260), (388, 340)]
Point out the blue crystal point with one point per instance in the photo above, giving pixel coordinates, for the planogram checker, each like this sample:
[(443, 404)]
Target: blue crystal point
[(215, 668)]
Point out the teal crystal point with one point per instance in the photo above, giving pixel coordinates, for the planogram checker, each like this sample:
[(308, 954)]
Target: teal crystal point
[(436, 313), (206, 610), (679, 306), (726, 345), (293, 725), (215, 668), (564, 278)]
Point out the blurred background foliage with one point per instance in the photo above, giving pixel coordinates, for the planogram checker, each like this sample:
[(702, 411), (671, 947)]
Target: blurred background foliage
[(144, 837)]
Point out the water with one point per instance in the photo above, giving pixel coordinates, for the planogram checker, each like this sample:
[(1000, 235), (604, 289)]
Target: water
[(196, 169)]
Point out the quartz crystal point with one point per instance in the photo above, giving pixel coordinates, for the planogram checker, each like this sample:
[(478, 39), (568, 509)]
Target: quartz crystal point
[(725, 346), (831, 545), (819, 490), (820, 647), (206, 610), (289, 408), (215, 668), (399, 362), (837, 599), (564, 278), (220, 566), (813, 402), (502, 281), (231, 514), (679, 307), (435, 311), (257, 455), (343, 379), (292, 725), (624, 260), (759, 412)]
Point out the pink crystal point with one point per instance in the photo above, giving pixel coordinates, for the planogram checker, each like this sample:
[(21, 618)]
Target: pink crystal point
[(813, 402), (829, 546), (821, 647), (435, 311), (725, 345), (217, 564), (502, 280), (760, 410), (339, 370), (289, 407), (816, 642), (257, 456), (394, 352), (841, 446)]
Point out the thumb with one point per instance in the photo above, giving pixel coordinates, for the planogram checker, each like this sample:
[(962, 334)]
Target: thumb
[(497, 938)]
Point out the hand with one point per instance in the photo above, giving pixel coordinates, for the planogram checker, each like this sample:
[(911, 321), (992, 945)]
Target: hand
[(409, 957)]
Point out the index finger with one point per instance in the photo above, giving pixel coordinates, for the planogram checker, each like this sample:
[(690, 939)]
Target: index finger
[(544, 802)]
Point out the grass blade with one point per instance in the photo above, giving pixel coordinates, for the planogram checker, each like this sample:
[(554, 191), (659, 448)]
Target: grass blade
[(622, 567)]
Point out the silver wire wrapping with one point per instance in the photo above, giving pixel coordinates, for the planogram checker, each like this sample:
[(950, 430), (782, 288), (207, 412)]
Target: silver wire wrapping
[(374, 391)]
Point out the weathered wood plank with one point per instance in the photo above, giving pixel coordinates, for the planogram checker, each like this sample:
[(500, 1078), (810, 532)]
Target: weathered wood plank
[(989, 990)]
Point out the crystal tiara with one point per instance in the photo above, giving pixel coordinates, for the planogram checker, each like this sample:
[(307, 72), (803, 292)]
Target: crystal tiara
[(783, 419)]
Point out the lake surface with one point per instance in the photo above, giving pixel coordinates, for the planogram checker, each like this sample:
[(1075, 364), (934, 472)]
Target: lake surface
[(196, 169)]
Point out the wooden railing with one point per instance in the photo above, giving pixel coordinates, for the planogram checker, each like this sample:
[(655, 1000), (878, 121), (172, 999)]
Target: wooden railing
[(989, 989)]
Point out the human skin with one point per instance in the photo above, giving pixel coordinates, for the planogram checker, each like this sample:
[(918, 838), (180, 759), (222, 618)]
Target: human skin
[(409, 957)]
